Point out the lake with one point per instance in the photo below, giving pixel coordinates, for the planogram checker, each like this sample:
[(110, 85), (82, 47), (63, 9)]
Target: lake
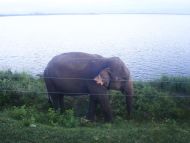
[(151, 45)]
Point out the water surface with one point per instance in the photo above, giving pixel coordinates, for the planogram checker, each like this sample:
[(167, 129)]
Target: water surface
[(150, 45)]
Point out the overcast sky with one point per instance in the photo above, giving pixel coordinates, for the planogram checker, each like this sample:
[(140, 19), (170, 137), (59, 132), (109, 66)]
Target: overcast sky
[(94, 6)]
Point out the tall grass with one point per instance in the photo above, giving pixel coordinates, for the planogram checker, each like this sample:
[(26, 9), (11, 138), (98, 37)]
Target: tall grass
[(152, 100), (157, 116), (15, 87), (173, 84)]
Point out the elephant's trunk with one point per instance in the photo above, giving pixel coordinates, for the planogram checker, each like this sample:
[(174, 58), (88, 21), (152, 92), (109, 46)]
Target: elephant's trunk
[(129, 96)]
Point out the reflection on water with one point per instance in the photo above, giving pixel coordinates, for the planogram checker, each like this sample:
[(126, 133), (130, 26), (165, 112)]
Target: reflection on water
[(150, 45)]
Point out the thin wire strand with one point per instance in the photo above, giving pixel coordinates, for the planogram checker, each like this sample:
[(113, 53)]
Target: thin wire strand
[(27, 91), (91, 79)]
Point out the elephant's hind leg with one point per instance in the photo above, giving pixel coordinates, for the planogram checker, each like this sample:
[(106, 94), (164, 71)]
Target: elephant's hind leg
[(52, 94), (55, 101), (61, 103)]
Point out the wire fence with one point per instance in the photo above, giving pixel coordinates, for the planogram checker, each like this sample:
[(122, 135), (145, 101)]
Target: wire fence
[(92, 79), (85, 94)]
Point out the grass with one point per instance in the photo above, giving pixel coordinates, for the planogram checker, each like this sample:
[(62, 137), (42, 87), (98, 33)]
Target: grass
[(173, 84), (125, 131), (158, 115)]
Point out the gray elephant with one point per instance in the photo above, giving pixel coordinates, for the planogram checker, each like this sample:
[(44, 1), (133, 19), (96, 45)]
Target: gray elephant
[(77, 73)]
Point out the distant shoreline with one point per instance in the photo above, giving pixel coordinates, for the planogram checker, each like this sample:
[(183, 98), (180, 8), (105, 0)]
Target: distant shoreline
[(47, 14)]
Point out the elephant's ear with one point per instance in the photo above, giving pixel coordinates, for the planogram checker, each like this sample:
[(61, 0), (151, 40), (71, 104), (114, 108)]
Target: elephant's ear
[(103, 78)]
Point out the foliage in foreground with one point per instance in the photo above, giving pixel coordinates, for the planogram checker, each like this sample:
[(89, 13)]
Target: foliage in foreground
[(152, 100), (123, 131), (15, 87), (173, 84), (158, 115)]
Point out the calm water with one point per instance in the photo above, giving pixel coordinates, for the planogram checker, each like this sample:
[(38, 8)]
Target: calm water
[(150, 45)]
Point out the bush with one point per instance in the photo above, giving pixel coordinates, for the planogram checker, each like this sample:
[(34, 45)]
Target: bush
[(150, 103), (18, 113), (152, 100), (118, 104), (29, 116), (173, 84), (24, 114), (153, 103), (17, 88)]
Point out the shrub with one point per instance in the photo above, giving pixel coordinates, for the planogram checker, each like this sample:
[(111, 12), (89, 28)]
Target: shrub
[(118, 104), (150, 103), (18, 113), (66, 119), (152, 100), (17, 88), (29, 116), (24, 114), (173, 84)]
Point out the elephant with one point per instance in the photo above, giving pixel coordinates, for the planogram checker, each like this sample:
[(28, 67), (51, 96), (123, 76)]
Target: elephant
[(78, 73)]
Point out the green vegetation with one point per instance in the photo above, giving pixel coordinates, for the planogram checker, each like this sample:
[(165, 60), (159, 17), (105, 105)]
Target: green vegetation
[(173, 84), (161, 113)]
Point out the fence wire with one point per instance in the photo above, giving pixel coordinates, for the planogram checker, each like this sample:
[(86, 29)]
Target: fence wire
[(87, 94), (91, 79)]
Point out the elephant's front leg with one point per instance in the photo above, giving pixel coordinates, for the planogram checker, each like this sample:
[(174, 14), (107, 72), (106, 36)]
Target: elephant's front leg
[(92, 108), (99, 93), (106, 107)]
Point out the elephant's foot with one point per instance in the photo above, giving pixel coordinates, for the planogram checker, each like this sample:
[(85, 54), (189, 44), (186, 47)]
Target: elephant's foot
[(90, 117)]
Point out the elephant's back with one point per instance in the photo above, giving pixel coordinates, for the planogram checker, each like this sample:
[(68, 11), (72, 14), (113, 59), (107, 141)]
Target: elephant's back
[(77, 56), (73, 63)]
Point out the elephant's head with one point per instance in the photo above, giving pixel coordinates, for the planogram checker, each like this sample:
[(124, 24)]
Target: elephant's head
[(116, 76)]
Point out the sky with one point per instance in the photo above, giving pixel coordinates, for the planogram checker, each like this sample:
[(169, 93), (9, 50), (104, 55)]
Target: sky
[(94, 6)]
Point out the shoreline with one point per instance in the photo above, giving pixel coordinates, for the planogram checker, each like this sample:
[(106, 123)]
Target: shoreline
[(59, 14)]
